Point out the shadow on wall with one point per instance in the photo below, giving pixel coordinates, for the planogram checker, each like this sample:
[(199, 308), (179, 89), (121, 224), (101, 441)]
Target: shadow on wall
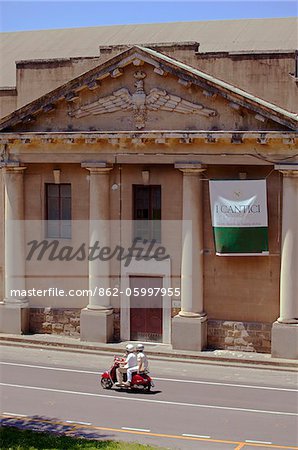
[(241, 336)]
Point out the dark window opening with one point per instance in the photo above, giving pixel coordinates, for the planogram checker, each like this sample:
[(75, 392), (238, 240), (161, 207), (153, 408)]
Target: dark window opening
[(58, 210), (147, 212)]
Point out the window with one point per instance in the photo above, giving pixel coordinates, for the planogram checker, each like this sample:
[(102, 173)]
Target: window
[(58, 210), (147, 212)]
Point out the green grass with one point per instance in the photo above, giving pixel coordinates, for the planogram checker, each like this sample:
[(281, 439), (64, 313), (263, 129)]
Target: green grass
[(14, 439)]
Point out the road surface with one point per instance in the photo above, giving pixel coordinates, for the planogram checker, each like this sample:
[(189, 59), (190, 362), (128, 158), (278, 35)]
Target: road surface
[(193, 405)]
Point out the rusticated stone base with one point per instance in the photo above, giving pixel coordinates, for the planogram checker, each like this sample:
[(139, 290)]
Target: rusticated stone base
[(55, 321), (241, 336), (63, 321)]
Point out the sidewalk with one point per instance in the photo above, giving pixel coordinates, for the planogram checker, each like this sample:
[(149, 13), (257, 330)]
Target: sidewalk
[(155, 350)]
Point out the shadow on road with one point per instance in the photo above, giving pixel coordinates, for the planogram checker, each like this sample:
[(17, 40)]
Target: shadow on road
[(136, 391), (53, 426)]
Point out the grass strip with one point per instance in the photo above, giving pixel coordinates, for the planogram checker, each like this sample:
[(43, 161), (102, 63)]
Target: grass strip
[(12, 438)]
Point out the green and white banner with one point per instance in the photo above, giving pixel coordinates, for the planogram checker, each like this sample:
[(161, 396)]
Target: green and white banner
[(239, 217)]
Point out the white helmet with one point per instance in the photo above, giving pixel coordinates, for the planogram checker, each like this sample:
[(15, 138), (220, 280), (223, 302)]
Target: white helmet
[(140, 347), (129, 348)]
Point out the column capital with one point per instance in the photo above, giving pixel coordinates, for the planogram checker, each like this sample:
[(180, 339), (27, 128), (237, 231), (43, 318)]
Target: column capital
[(99, 168), (13, 168), (288, 170), (190, 168)]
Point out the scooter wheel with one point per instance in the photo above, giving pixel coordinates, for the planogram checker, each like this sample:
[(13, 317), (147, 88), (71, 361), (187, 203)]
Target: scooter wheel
[(106, 383), (147, 388)]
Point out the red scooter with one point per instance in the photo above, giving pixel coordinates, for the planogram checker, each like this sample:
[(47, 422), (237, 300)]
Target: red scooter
[(140, 381)]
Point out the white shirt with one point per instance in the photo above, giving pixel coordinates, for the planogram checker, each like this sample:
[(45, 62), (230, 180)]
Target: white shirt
[(142, 361), (130, 361)]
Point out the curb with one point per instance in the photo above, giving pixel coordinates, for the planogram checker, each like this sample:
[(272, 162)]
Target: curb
[(199, 357)]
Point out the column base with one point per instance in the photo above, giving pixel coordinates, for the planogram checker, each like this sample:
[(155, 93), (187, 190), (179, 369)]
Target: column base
[(189, 333), (284, 340), (91, 307), (96, 325), (14, 319), (287, 321)]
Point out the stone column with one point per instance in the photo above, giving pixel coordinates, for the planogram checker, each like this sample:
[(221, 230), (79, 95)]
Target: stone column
[(14, 311), (285, 330), (97, 318), (189, 327)]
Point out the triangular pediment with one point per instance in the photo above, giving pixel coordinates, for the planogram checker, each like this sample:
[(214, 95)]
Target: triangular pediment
[(141, 89)]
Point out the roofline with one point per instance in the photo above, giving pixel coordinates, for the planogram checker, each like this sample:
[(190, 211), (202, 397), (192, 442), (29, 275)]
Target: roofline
[(49, 60), (157, 46)]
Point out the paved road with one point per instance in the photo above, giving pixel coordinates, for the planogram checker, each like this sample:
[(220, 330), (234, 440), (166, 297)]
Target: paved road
[(193, 406)]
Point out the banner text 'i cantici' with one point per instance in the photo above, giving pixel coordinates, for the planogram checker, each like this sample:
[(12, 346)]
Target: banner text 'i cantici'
[(239, 217)]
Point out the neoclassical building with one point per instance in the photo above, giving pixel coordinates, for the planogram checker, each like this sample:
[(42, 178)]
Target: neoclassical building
[(109, 148)]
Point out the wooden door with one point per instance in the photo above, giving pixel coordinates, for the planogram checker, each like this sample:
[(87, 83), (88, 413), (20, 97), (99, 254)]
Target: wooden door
[(145, 310)]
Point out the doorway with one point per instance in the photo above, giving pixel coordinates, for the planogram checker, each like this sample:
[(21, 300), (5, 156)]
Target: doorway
[(146, 309)]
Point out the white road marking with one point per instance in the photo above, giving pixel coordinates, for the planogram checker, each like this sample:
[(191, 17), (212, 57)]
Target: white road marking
[(77, 422), (175, 380), (258, 442), (135, 429), (62, 369), (14, 414), (214, 383), (163, 402), (197, 436)]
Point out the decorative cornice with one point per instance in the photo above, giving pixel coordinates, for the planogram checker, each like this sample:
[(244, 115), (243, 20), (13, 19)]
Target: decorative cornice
[(114, 137)]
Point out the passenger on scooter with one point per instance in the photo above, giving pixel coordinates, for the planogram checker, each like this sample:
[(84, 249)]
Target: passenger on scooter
[(130, 361), (142, 364), (142, 359)]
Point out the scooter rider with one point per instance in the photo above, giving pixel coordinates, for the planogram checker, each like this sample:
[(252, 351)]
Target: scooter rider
[(142, 359), (130, 361), (140, 367)]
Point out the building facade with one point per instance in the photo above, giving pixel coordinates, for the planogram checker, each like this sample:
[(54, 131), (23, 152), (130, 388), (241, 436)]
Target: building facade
[(106, 166)]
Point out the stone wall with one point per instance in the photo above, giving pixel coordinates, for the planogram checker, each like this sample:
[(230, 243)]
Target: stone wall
[(55, 321), (241, 336), (175, 312), (226, 335), (63, 321), (116, 324)]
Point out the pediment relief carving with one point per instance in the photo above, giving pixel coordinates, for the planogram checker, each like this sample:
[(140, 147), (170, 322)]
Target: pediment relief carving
[(139, 102)]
